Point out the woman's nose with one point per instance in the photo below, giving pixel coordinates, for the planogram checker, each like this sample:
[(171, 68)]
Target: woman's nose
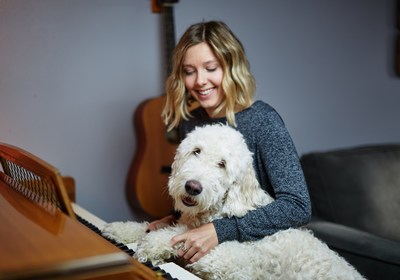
[(201, 79)]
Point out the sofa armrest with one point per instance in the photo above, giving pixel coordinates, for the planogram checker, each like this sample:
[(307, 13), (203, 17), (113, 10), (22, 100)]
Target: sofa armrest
[(374, 257), (355, 241)]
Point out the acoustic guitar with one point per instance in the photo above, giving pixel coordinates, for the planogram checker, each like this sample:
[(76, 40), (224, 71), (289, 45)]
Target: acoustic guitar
[(146, 188)]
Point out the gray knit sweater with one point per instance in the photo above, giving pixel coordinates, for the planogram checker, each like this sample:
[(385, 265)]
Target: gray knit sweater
[(278, 170)]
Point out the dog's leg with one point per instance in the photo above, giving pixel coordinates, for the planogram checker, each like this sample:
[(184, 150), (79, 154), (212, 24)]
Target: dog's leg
[(156, 247), (125, 232), (229, 260)]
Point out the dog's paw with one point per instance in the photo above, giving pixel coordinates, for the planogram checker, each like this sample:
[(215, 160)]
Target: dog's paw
[(156, 245), (125, 232)]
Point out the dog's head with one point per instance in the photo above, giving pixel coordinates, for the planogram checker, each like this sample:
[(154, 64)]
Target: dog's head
[(213, 174)]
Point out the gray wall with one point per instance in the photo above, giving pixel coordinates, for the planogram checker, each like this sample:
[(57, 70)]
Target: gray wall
[(72, 73)]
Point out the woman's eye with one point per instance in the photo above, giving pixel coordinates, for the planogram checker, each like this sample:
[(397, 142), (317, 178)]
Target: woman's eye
[(211, 69), (196, 151), (188, 71), (222, 164)]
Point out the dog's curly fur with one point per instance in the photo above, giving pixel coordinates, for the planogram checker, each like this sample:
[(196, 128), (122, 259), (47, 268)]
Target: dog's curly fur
[(213, 177)]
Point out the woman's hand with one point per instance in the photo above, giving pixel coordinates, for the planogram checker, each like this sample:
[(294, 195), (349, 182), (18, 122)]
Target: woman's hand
[(196, 242), (164, 222)]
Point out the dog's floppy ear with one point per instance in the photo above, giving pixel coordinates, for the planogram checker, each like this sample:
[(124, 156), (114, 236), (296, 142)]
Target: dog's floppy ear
[(244, 194)]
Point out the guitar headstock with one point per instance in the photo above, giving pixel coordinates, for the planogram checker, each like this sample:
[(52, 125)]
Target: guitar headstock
[(166, 8), (157, 5)]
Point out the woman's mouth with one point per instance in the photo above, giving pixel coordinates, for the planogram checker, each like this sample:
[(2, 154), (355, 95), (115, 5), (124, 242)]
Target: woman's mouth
[(205, 92)]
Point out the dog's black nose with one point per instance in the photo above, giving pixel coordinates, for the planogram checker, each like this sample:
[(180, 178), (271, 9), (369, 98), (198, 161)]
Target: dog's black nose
[(193, 187)]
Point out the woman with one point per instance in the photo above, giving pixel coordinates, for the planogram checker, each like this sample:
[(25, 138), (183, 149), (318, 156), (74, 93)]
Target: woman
[(210, 67)]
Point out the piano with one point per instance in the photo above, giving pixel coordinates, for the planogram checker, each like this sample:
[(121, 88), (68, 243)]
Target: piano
[(41, 238)]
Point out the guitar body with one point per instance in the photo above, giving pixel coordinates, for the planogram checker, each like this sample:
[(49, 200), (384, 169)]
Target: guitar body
[(147, 181)]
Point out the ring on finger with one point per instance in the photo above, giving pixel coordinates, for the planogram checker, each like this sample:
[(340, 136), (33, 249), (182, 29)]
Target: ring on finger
[(184, 249)]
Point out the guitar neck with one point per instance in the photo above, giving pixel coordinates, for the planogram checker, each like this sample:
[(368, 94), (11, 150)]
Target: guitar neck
[(169, 25)]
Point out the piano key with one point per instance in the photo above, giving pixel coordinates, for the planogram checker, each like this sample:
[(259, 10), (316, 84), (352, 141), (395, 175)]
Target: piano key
[(93, 219), (172, 270), (178, 272)]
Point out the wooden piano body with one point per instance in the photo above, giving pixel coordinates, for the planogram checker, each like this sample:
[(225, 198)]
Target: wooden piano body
[(40, 237), (37, 244)]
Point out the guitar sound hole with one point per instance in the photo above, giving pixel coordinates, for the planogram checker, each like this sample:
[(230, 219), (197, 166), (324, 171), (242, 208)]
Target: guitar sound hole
[(166, 169)]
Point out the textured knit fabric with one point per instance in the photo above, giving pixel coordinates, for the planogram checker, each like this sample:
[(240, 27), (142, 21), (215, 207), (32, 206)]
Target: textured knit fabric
[(278, 170)]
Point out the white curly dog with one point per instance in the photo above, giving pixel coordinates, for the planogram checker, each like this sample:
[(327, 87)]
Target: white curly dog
[(213, 177)]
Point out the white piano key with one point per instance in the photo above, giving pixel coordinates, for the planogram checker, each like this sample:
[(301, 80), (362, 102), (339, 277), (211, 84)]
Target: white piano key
[(99, 223), (178, 272)]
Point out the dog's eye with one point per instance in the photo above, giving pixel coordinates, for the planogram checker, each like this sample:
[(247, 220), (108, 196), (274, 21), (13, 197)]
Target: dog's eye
[(222, 164), (196, 151)]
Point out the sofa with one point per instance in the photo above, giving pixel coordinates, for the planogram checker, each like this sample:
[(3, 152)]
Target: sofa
[(355, 196)]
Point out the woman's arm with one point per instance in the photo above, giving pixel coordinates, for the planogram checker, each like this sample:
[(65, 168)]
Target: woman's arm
[(276, 163)]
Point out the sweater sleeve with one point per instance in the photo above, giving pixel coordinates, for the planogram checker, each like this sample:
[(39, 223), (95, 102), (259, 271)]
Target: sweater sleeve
[(278, 168)]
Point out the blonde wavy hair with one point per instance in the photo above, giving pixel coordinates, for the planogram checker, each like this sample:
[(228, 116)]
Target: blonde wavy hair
[(238, 84)]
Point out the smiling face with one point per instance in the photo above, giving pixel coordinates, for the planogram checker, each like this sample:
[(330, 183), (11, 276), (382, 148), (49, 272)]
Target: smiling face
[(203, 77)]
